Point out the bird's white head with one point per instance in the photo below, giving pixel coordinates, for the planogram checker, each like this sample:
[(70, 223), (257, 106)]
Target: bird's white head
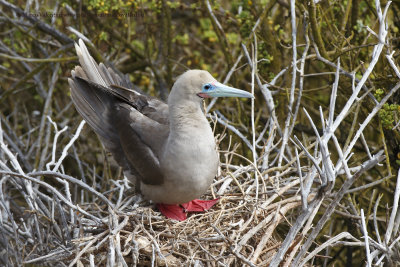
[(194, 85)]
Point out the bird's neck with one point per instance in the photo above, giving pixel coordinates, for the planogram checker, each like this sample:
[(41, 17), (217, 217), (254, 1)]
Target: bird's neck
[(186, 118)]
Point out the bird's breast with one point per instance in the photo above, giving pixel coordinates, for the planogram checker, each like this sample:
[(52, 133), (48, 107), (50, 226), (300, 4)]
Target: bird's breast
[(191, 156), (189, 165), (188, 161)]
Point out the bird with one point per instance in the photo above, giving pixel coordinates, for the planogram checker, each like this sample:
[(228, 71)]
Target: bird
[(167, 150)]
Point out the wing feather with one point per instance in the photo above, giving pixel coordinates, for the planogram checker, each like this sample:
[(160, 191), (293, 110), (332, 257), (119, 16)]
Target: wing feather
[(132, 126)]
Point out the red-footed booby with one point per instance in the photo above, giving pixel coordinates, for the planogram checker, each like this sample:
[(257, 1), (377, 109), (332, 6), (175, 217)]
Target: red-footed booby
[(167, 149)]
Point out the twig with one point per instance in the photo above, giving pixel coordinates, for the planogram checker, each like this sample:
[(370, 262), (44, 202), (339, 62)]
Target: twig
[(365, 232)]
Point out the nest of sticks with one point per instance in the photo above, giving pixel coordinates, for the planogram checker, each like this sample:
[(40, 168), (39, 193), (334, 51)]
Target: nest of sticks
[(44, 225), (51, 218)]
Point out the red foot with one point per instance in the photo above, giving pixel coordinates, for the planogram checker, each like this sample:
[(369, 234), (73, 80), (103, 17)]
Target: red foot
[(178, 212), (199, 205), (172, 211)]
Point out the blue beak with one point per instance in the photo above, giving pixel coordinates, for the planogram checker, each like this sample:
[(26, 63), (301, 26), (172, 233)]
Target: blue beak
[(216, 89)]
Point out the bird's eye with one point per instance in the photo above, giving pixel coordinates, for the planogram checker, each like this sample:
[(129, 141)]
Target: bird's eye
[(207, 86)]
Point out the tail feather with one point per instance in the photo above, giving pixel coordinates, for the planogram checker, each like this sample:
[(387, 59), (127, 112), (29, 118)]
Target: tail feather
[(94, 104), (98, 73), (89, 65)]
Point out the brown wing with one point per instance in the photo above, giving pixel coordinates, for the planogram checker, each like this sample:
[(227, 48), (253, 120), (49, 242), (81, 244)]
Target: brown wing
[(132, 126)]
